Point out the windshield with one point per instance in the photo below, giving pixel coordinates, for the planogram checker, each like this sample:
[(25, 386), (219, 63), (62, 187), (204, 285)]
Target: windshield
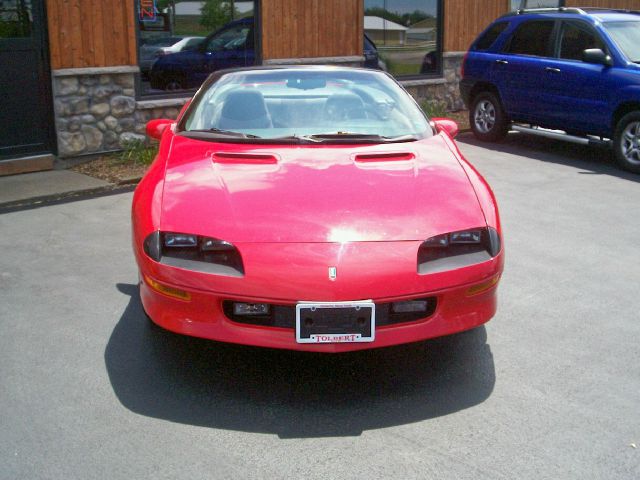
[(320, 104), (627, 37)]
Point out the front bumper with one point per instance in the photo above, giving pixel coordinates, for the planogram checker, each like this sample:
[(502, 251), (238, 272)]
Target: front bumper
[(457, 309)]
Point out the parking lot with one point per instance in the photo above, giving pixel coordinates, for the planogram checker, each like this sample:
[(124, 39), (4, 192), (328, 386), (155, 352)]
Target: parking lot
[(549, 389)]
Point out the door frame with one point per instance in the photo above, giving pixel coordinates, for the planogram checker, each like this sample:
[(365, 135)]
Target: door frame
[(41, 43)]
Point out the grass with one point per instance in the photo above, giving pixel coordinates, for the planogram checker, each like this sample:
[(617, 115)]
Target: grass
[(138, 153), (434, 108)]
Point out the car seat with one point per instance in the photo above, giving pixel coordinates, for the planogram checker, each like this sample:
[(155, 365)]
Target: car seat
[(244, 109), (344, 106)]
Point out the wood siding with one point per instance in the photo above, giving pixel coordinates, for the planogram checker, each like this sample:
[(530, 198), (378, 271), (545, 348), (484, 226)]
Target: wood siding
[(91, 33), (622, 4), (311, 28), (625, 4), (465, 19)]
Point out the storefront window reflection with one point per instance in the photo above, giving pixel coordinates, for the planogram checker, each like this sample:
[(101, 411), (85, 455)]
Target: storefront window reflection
[(519, 4), (15, 18), (174, 39), (406, 33)]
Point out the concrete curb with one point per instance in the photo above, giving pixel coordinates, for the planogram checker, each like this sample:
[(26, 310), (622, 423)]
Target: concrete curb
[(46, 200)]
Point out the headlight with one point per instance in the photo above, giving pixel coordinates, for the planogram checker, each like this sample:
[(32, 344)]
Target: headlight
[(458, 249), (194, 252)]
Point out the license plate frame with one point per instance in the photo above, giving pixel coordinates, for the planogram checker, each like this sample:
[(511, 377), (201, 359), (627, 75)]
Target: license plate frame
[(335, 322)]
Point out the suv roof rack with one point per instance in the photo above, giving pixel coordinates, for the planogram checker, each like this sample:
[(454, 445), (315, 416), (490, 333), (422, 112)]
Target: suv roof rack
[(574, 10), (523, 11)]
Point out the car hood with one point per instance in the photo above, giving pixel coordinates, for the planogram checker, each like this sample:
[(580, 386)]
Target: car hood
[(319, 193)]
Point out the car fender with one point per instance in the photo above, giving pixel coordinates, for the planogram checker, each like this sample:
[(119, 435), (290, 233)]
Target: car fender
[(484, 194), (146, 206), (626, 98)]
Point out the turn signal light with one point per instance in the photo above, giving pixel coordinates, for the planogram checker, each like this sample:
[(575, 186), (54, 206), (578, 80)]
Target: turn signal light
[(167, 290), (483, 287)]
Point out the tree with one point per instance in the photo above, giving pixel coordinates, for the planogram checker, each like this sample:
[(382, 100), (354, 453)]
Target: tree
[(216, 13), (406, 19)]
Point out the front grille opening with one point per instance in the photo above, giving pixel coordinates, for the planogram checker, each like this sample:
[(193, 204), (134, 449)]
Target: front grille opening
[(284, 316)]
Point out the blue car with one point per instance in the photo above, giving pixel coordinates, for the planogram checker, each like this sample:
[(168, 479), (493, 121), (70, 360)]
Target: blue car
[(231, 46), (564, 73)]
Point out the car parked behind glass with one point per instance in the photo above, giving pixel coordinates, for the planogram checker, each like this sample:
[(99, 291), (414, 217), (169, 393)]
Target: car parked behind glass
[(155, 48), (231, 46), (570, 73)]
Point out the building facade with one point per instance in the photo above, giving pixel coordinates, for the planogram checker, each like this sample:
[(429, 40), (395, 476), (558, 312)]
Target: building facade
[(81, 77)]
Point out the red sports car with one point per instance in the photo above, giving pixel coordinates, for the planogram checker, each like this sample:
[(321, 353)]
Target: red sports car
[(313, 208)]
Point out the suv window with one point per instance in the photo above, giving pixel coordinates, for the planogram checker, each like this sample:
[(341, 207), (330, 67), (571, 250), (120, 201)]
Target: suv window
[(532, 38), (490, 36), (575, 39)]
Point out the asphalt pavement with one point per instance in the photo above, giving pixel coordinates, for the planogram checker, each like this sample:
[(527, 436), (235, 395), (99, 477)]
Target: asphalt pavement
[(548, 389)]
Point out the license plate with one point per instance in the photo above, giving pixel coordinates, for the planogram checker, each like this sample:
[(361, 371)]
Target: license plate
[(342, 322)]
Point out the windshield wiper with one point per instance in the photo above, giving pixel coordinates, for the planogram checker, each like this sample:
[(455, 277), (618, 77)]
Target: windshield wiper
[(344, 137), (219, 131), (361, 137), (297, 139)]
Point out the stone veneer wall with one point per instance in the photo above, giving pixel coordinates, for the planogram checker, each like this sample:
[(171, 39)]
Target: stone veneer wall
[(96, 110), (444, 90)]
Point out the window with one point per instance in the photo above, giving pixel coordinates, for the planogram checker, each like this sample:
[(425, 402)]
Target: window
[(407, 35), (627, 36), (181, 42), (531, 38), (523, 4), (575, 39), (15, 19), (234, 38), (275, 103), (490, 36)]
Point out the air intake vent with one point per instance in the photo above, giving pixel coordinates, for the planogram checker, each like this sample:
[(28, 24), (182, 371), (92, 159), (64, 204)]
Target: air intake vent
[(245, 158), (385, 157)]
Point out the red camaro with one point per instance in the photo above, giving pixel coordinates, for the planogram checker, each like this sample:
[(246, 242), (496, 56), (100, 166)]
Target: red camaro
[(313, 208)]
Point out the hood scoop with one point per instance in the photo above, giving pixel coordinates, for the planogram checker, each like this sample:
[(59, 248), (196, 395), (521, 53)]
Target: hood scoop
[(245, 158), (385, 157)]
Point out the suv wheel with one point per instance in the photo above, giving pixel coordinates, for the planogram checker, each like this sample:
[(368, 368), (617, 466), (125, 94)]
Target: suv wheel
[(626, 142), (487, 119), (173, 82)]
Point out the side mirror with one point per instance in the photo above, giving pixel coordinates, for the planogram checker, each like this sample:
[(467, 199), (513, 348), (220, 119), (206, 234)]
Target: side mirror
[(596, 55), (445, 125), (155, 128)]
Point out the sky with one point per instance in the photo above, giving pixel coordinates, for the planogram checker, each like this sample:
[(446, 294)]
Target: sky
[(405, 6)]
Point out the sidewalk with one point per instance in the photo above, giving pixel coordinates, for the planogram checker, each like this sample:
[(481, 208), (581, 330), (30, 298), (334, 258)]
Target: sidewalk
[(32, 189)]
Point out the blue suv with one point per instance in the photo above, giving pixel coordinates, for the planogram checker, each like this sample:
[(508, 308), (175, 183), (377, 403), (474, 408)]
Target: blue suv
[(576, 70)]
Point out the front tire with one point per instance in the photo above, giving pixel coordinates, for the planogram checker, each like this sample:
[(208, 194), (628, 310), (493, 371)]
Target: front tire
[(174, 81), (626, 142), (487, 119)]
